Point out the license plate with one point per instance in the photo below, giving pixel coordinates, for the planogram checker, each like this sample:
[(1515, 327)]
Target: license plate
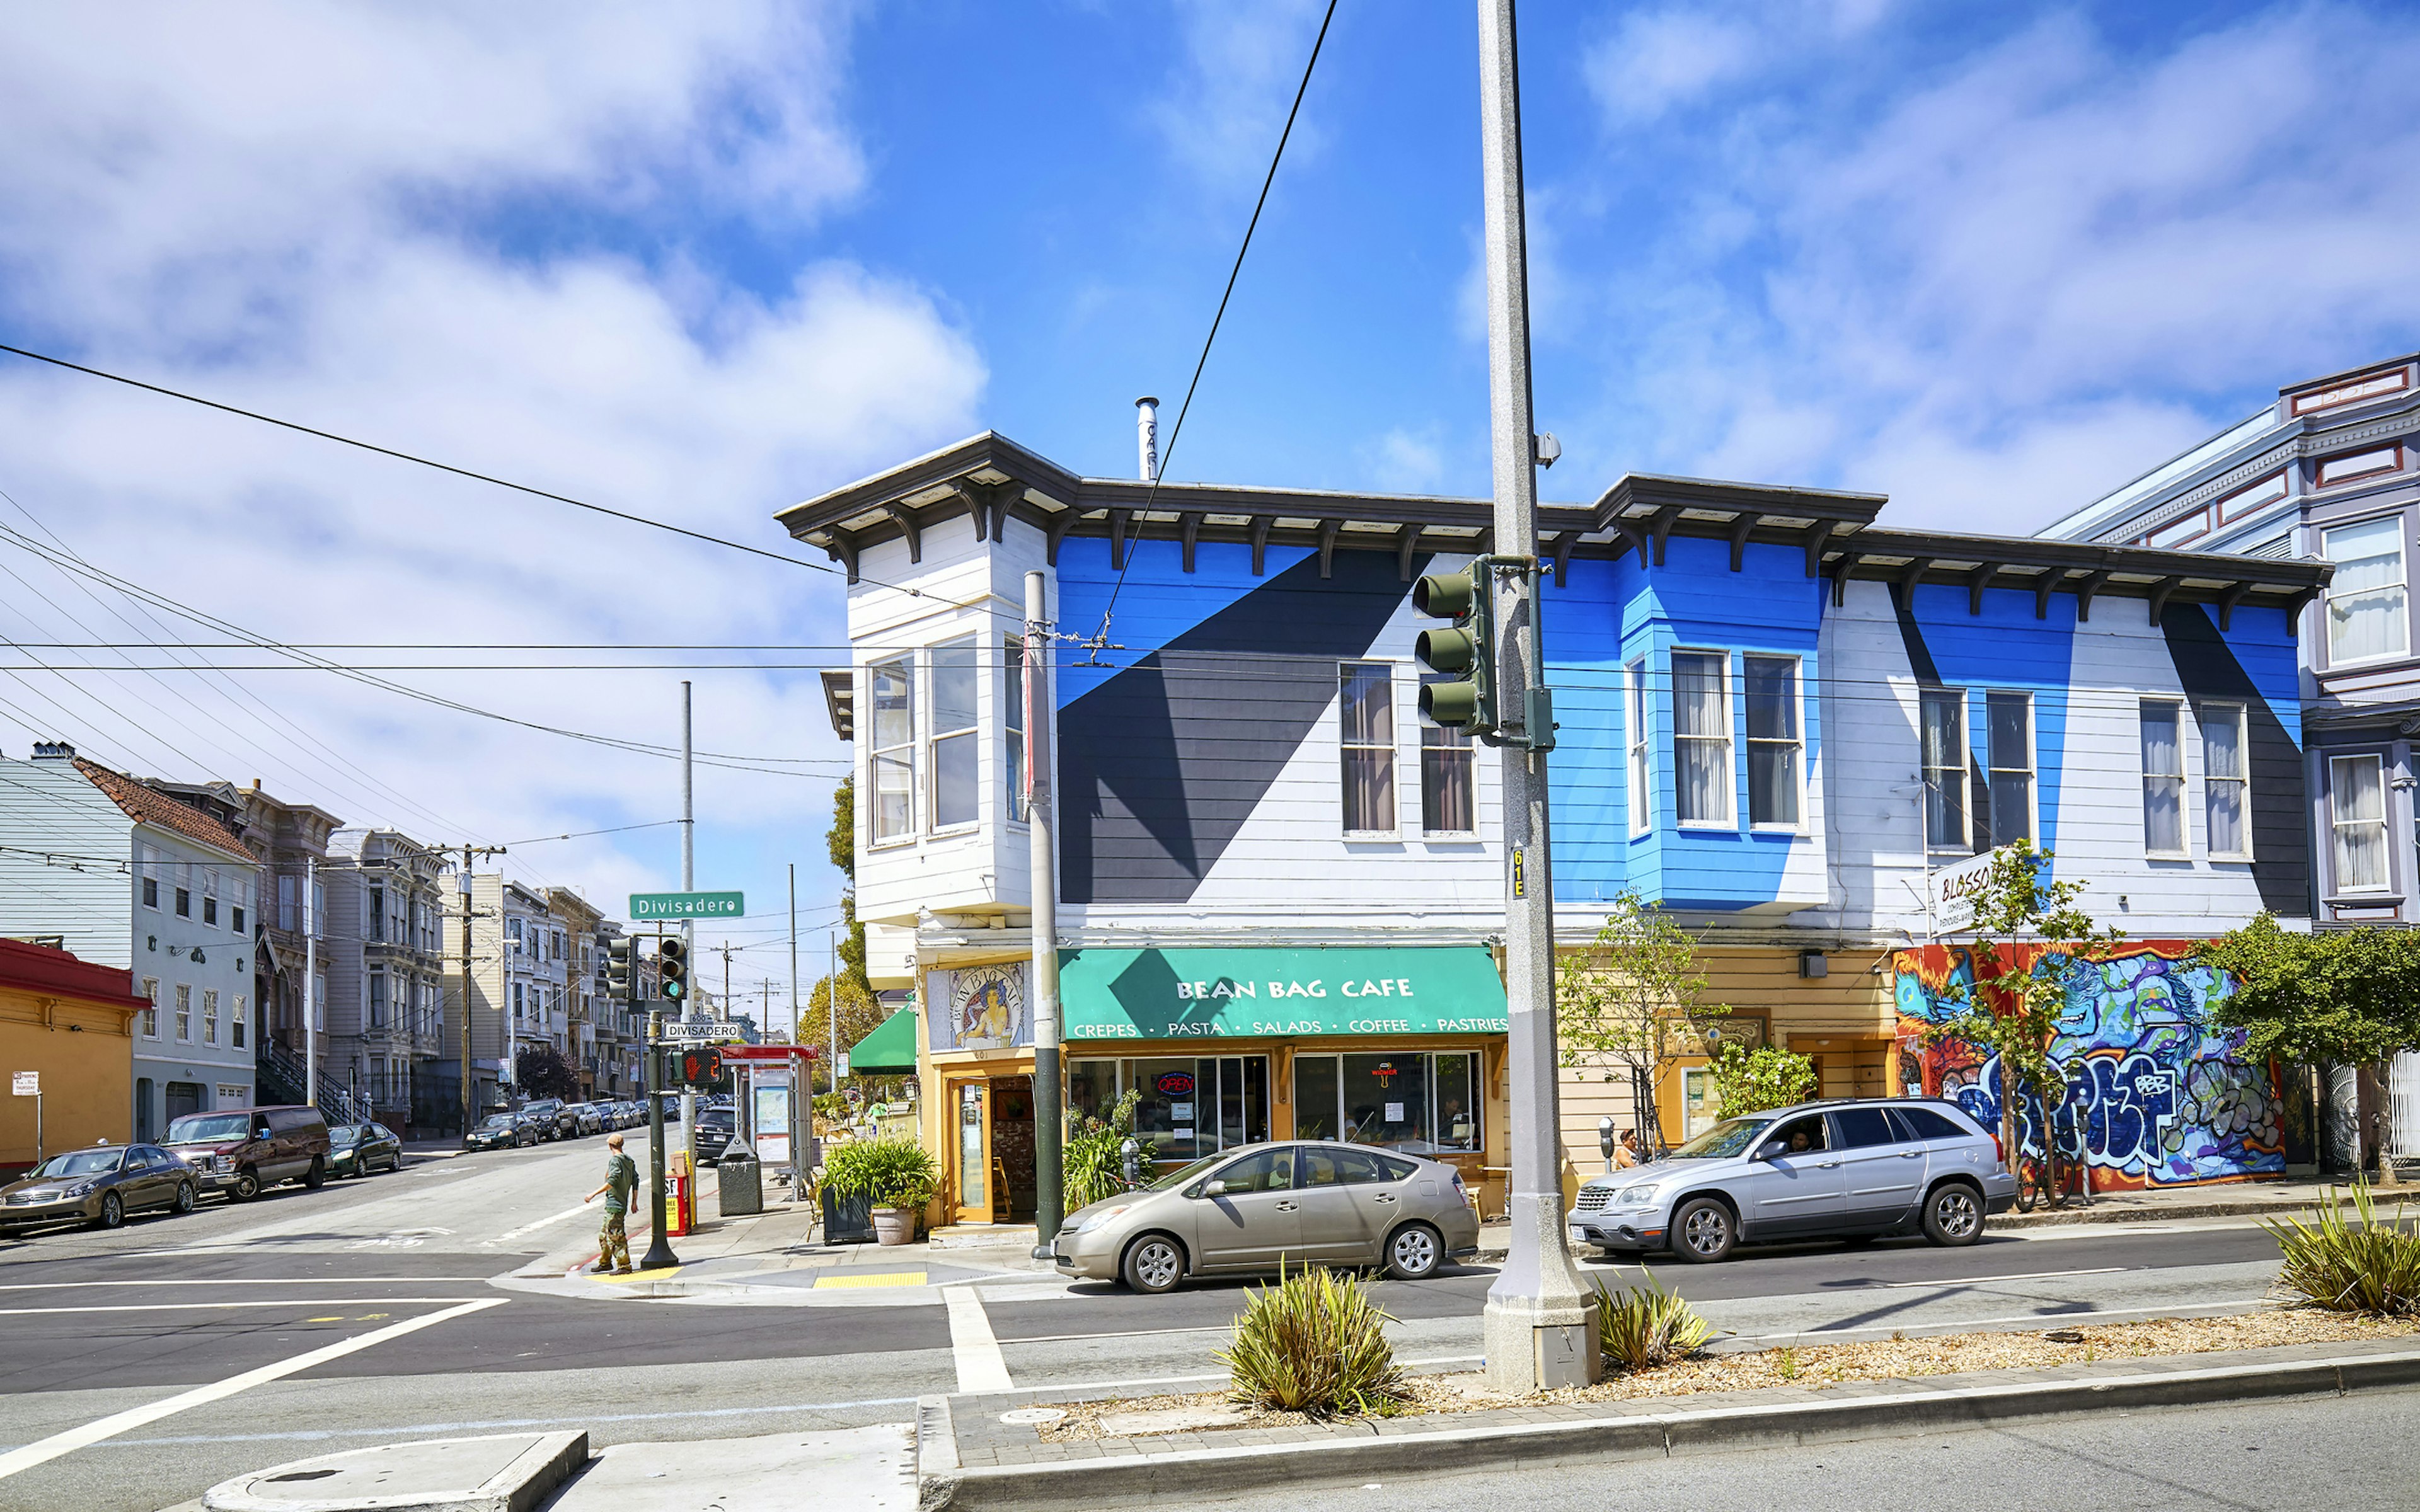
[(1578, 1234)]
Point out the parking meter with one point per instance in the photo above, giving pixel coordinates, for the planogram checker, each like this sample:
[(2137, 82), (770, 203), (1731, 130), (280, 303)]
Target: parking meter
[(1130, 1155), (1605, 1140)]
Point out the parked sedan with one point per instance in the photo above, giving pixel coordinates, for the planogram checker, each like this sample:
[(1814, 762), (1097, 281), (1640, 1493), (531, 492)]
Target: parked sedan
[(359, 1148), (1249, 1210), (1851, 1168), (501, 1131), (549, 1118), (588, 1117), (98, 1186)]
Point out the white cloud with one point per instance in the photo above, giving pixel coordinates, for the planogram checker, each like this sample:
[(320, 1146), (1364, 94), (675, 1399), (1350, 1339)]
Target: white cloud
[(1405, 460), (1654, 60), (2037, 271), (1227, 101), (325, 214)]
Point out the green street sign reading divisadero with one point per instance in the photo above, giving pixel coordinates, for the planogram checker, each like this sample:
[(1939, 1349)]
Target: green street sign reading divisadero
[(688, 904)]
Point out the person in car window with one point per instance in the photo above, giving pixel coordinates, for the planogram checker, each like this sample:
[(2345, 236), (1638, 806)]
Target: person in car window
[(621, 1180)]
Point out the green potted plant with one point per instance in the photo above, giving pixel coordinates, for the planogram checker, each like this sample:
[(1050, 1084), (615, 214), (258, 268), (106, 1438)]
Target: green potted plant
[(896, 1176)]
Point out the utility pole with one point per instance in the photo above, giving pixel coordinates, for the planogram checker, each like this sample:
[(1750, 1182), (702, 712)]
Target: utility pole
[(794, 953), (1049, 1126), (311, 981), (1538, 1332), (688, 927), (660, 1248), (831, 1006), (470, 1087)]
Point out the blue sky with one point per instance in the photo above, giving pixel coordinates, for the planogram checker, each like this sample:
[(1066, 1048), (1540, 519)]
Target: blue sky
[(701, 262)]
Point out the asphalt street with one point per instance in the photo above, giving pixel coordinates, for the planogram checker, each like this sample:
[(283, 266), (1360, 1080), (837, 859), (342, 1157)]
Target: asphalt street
[(377, 1310), (2261, 1457)]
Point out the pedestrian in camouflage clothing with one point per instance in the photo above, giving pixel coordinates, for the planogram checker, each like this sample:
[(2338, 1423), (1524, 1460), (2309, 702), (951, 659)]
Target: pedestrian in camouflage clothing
[(621, 1180)]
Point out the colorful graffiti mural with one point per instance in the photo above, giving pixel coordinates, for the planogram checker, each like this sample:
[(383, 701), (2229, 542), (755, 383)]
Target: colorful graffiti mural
[(2157, 1095)]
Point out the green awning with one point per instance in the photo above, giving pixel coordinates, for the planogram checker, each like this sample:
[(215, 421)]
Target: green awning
[(1350, 992), (889, 1050)]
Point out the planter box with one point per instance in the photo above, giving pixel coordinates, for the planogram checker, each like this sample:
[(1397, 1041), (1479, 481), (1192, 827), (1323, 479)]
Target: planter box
[(848, 1220)]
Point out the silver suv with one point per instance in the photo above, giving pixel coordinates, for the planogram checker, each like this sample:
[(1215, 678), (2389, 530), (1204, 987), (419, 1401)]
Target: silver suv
[(1852, 1168)]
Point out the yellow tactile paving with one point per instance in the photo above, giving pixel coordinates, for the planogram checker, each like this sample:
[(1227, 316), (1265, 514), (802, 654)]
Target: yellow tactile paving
[(665, 1275), (887, 1278)]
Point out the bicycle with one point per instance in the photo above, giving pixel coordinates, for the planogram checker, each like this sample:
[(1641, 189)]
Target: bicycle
[(2034, 1186)]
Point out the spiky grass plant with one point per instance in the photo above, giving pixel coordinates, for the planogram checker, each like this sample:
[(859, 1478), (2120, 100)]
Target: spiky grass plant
[(2367, 1267), (1640, 1328), (1315, 1343)]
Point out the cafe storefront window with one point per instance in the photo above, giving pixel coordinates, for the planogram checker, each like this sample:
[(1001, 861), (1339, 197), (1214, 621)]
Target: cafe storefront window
[(1422, 1103), (1185, 1108)]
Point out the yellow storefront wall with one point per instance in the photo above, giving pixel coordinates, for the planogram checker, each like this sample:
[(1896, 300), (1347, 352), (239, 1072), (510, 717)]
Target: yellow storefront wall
[(1844, 1021), (85, 1056)]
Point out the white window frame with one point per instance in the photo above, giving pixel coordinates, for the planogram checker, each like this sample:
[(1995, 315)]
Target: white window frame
[(152, 1015), (1795, 744), (238, 1024), (971, 732), (1385, 751), (2212, 715), (904, 749), (1642, 747), (2399, 591), (210, 1015), (1015, 744), (1962, 752), (2338, 824), (1464, 757), (2184, 850), (2030, 771), (184, 1013), (1727, 740)]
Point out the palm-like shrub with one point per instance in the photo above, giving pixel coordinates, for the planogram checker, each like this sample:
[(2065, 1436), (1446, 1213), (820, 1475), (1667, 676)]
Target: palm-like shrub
[(1640, 1328), (1315, 1343), (2367, 1267), (1092, 1168), (888, 1173)]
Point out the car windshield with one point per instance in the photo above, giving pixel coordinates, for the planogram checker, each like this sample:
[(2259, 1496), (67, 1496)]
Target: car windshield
[(345, 1133), (497, 1121), (1186, 1173), (82, 1163), (1733, 1136), (197, 1128)]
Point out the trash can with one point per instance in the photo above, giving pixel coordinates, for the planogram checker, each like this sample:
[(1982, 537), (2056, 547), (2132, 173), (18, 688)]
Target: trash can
[(740, 1184)]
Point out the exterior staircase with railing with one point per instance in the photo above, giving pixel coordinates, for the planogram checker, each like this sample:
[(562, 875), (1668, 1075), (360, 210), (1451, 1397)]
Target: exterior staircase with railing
[(279, 1076)]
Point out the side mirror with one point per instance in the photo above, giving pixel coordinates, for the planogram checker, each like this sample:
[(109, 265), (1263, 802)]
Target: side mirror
[(1772, 1149), (1214, 1189)]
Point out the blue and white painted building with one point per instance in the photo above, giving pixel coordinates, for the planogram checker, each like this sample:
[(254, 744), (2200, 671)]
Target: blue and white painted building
[(1777, 717)]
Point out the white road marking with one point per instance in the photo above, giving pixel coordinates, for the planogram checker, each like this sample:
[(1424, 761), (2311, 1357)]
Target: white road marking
[(1986, 1280), (254, 1281), (44, 1451), (2041, 1319), (219, 1306), (1130, 1334), (552, 1218), (980, 1367)]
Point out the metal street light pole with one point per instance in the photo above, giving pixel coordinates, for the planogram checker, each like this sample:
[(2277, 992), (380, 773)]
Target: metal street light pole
[(1049, 1130), (1539, 1331)]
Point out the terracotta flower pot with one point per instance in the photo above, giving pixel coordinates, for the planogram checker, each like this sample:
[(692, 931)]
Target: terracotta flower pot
[(894, 1226)]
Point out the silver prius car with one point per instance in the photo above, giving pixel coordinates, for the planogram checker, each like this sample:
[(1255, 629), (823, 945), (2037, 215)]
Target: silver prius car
[(1247, 1209), (1854, 1168)]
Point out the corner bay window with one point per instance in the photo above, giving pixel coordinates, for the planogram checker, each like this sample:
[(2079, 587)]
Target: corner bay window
[(2009, 731), (1773, 742), (955, 763), (1642, 774), (1419, 1102), (2357, 819), (1011, 702), (2164, 778), (1701, 737), (892, 700), (2366, 615), (1365, 709)]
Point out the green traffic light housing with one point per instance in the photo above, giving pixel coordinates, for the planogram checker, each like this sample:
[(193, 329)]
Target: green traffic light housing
[(618, 974), (1461, 696)]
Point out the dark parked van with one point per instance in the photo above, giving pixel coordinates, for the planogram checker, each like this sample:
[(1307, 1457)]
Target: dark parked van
[(241, 1150)]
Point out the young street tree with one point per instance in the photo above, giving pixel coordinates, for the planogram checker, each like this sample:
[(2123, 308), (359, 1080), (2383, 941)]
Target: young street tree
[(2013, 1010), (1627, 1004), (2335, 999), (1751, 1081)]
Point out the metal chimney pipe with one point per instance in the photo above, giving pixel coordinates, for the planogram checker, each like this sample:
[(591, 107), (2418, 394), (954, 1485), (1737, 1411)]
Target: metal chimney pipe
[(1147, 436)]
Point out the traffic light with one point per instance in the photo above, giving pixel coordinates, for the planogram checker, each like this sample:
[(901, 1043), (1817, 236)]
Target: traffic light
[(1465, 652), (619, 978), (696, 1066), (671, 969)]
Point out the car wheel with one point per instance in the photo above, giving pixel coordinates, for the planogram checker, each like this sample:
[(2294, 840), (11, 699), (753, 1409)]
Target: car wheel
[(247, 1185), (1154, 1264), (112, 1211), (1413, 1252), (317, 1175), (1704, 1231), (185, 1197), (1953, 1215)]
